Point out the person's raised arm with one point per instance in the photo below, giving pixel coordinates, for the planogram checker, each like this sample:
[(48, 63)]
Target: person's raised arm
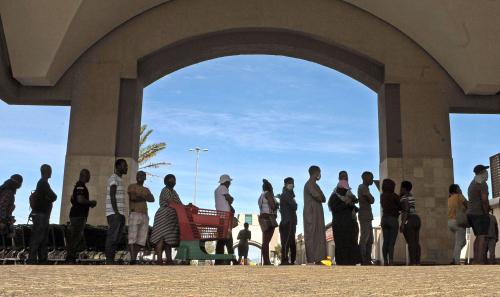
[(316, 193), (366, 196), (149, 197), (112, 195), (229, 198), (81, 200), (134, 197)]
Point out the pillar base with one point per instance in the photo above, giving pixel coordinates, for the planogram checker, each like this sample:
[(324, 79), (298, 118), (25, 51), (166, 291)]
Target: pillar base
[(431, 178), (101, 168)]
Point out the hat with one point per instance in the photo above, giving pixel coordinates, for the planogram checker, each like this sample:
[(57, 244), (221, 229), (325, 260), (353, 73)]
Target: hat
[(224, 178), (480, 168)]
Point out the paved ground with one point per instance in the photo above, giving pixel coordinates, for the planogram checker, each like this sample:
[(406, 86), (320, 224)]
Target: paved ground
[(248, 281)]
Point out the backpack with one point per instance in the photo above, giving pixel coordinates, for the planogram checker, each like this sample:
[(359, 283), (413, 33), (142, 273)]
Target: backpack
[(33, 200)]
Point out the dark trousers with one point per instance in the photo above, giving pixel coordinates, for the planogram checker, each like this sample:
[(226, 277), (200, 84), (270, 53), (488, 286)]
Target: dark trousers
[(390, 229), (116, 223), (492, 243), (366, 241), (219, 249), (76, 237), (287, 236), (412, 237), (39, 238), (266, 239)]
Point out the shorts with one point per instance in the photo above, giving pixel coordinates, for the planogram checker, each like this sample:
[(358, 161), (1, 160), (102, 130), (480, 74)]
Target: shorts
[(480, 224), (138, 228), (243, 251)]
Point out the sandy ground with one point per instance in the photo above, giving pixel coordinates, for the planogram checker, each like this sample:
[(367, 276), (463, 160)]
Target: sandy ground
[(249, 281)]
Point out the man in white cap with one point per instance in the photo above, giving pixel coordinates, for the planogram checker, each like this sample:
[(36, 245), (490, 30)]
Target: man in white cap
[(223, 202)]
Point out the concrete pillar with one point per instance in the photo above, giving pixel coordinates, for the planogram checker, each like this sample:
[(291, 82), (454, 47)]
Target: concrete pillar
[(104, 125), (415, 145)]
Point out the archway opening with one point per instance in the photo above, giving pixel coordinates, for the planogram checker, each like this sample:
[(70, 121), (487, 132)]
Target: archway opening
[(261, 116)]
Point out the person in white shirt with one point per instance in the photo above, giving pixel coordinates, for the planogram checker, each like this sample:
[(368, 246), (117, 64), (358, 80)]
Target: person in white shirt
[(115, 209), (223, 201)]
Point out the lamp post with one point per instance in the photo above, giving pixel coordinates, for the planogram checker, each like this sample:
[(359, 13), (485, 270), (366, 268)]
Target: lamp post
[(197, 150)]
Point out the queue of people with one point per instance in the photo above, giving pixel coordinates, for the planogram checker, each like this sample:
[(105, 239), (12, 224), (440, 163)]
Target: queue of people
[(353, 241), (475, 213)]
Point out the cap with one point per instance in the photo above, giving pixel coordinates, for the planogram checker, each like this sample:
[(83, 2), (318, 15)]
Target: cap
[(224, 178), (480, 168)]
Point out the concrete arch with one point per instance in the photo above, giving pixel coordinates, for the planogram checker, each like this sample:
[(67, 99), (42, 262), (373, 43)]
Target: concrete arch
[(250, 242), (104, 87), (260, 41)]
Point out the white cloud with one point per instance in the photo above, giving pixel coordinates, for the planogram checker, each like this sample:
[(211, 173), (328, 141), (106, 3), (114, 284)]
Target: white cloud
[(268, 130)]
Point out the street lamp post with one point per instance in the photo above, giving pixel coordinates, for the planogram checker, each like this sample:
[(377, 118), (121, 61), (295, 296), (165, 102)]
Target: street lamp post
[(197, 150)]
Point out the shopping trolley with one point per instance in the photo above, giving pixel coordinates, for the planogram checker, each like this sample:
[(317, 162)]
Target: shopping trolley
[(197, 225)]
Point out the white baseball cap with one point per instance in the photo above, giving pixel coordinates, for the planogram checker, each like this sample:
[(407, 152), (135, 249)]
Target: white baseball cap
[(224, 178)]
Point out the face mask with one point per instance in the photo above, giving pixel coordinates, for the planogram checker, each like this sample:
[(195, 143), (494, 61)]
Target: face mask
[(481, 178), (289, 187)]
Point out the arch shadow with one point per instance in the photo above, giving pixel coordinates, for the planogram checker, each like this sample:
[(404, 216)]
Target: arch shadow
[(260, 41)]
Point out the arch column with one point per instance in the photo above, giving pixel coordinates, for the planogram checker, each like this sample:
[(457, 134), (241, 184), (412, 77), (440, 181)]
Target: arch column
[(104, 125), (415, 145)]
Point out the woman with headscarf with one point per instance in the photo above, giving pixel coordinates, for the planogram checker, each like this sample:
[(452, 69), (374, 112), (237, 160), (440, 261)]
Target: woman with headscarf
[(267, 219), (344, 225), (390, 205), (165, 233), (7, 199)]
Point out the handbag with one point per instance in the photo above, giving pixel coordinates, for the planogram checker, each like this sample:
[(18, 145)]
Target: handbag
[(267, 222), (264, 223), (462, 220)]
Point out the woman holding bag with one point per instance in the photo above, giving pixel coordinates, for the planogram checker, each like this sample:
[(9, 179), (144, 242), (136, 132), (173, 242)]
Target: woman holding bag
[(267, 219), (457, 220)]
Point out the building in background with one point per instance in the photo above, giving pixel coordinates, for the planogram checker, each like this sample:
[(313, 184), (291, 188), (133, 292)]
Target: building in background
[(253, 221), (495, 175)]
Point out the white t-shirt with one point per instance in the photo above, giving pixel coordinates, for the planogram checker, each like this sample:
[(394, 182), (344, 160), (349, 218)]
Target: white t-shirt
[(117, 181), (220, 200)]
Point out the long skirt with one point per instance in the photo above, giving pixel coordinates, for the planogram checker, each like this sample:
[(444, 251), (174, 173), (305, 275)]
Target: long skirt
[(165, 227), (346, 242)]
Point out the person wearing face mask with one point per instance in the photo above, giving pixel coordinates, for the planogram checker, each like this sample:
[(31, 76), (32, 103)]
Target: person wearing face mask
[(344, 225), (165, 233), (314, 219), (288, 211), (365, 217), (477, 212)]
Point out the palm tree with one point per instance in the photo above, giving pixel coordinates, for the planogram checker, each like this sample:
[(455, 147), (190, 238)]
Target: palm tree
[(148, 152)]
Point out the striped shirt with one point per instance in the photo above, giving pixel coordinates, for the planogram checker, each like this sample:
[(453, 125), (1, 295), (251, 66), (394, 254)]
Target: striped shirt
[(117, 181), (411, 203)]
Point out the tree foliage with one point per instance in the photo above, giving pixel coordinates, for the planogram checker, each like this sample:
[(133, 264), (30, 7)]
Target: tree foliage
[(148, 151)]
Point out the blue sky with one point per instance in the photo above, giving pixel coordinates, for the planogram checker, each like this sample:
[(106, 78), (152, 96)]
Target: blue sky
[(259, 116)]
